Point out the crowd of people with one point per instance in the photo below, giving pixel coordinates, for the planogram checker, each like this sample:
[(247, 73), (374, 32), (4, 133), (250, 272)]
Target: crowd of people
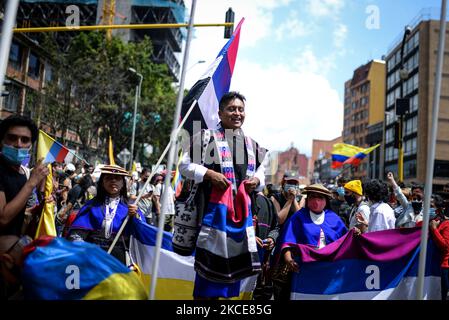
[(251, 237)]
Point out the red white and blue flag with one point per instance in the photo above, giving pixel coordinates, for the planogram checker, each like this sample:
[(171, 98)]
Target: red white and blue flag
[(212, 86), (381, 265)]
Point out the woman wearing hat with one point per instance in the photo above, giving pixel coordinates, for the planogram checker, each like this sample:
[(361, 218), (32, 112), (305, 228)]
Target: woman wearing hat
[(314, 225), (100, 218)]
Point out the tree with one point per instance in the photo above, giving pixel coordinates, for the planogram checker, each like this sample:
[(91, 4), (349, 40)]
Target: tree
[(92, 91)]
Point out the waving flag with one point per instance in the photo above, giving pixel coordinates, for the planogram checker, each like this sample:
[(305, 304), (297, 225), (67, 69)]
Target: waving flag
[(49, 149), (212, 86), (57, 269), (356, 159), (377, 265), (46, 225), (176, 275), (344, 153)]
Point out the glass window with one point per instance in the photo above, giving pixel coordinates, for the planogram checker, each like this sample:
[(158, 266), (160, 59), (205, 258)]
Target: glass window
[(48, 73), (415, 81), (34, 66), (414, 103), (11, 101), (15, 56), (410, 169)]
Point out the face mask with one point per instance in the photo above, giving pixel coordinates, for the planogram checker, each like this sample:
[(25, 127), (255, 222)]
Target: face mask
[(432, 213), (289, 186), (350, 199), (15, 155), (417, 205), (317, 205)]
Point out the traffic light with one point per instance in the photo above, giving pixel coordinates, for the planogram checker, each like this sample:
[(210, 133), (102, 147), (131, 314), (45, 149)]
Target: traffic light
[(4, 90), (229, 18), (397, 137), (402, 106)]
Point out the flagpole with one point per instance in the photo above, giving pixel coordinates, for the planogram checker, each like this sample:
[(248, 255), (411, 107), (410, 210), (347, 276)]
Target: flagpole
[(431, 154), (171, 155), (6, 38)]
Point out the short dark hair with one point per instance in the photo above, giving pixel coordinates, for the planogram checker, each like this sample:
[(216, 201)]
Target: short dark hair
[(16, 120), (229, 97), (376, 190)]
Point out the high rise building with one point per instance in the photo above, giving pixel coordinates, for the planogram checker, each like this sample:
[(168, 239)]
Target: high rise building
[(363, 109), (419, 58)]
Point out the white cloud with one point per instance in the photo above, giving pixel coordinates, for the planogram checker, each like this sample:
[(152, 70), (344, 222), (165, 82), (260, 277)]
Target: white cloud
[(285, 105), (324, 8), (291, 102), (293, 27), (308, 63), (340, 33)]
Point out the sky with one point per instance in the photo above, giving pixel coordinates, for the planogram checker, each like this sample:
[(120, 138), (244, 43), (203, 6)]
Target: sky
[(295, 56)]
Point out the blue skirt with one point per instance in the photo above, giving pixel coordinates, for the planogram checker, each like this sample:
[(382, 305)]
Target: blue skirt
[(208, 289)]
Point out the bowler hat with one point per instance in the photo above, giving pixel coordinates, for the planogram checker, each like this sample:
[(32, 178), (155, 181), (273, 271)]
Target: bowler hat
[(318, 188)]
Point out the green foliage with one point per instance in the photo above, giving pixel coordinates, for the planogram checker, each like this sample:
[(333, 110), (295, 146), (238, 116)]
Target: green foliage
[(92, 90)]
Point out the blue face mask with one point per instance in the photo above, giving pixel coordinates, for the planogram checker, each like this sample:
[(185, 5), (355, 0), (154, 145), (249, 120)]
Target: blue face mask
[(15, 155)]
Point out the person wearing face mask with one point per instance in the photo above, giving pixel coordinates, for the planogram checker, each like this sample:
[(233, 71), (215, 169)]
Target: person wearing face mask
[(315, 224), (289, 200), (412, 212), (354, 198), (17, 134)]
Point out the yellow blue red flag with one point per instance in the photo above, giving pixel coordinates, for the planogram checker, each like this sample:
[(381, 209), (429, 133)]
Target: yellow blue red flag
[(46, 225), (57, 269)]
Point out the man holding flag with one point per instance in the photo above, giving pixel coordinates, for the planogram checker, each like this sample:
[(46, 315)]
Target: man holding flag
[(17, 134), (222, 258)]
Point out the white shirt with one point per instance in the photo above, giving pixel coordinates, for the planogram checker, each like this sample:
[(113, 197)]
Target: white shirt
[(196, 172), (318, 219), (170, 206), (364, 210), (381, 217)]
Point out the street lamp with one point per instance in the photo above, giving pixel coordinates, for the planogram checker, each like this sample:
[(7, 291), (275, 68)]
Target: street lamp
[(402, 107), (134, 115), (198, 62)]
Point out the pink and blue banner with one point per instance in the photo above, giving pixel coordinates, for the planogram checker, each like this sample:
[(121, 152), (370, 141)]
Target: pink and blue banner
[(380, 265)]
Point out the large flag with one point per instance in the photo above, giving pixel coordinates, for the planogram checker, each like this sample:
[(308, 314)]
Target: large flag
[(176, 275), (380, 265), (46, 225), (49, 149), (212, 86), (343, 153), (57, 269)]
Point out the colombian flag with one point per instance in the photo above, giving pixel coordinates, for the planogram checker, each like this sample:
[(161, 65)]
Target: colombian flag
[(356, 159), (49, 149), (343, 153), (57, 269)]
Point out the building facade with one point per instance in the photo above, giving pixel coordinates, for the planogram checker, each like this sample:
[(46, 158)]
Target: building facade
[(363, 108), (321, 148), (419, 58), (291, 161)]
